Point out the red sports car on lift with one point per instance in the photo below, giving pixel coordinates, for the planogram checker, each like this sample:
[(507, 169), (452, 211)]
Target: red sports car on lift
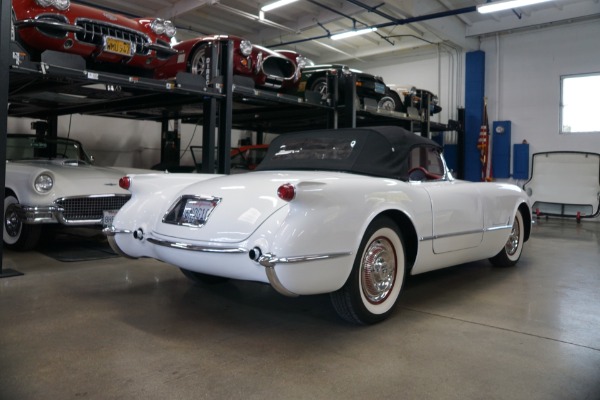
[(105, 39), (267, 68)]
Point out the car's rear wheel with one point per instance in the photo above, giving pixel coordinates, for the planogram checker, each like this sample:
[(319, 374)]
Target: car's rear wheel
[(198, 277), (199, 61), (511, 252), (16, 234), (387, 103), (377, 276)]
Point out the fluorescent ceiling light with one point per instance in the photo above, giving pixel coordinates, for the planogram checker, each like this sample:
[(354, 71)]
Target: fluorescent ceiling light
[(348, 34), (506, 5), (277, 4)]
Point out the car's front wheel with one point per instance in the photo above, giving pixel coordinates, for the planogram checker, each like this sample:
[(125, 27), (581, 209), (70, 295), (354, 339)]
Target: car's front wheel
[(377, 276), (319, 85), (199, 61), (17, 235), (511, 252)]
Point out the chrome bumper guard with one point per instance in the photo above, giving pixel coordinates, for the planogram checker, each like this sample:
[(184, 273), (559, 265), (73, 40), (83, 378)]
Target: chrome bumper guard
[(50, 215), (37, 215), (41, 23)]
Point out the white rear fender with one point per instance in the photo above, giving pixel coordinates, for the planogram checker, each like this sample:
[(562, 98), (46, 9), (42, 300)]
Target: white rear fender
[(149, 195)]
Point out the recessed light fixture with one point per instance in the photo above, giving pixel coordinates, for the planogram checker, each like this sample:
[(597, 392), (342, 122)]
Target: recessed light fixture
[(277, 4), (348, 34), (506, 5)]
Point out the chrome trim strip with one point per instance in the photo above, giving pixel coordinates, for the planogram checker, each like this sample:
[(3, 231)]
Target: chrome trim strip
[(40, 23), (193, 247), (447, 235), (269, 260), (112, 231), (161, 48)]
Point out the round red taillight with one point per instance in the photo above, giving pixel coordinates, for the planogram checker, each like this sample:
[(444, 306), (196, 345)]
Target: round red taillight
[(125, 183), (286, 192)]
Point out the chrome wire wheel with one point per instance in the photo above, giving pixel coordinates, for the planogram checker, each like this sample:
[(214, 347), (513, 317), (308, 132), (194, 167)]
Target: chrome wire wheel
[(374, 284), (513, 247), (512, 244), (198, 61), (378, 270)]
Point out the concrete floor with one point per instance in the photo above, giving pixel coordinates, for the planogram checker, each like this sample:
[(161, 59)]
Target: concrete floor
[(122, 329)]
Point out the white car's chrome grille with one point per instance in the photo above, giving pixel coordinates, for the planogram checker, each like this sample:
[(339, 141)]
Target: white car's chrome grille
[(89, 207), (94, 32)]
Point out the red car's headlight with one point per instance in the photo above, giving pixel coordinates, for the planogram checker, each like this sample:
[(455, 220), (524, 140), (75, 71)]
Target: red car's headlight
[(246, 47), (162, 27), (58, 4)]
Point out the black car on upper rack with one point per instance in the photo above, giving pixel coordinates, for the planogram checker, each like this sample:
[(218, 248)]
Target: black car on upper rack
[(368, 87)]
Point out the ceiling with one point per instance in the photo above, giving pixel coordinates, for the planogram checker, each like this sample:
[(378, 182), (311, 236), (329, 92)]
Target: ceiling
[(305, 26)]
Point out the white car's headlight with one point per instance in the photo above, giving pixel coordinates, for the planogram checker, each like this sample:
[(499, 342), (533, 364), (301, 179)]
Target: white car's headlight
[(43, 183), (246, 47), (302, 61), (59, 4), (170, 29)]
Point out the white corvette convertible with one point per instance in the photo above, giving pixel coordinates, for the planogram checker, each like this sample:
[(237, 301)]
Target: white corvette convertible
[(349, 212), (52, 181)]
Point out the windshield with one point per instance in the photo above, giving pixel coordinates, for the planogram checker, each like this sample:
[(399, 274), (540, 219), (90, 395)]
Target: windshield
[(31, 148)]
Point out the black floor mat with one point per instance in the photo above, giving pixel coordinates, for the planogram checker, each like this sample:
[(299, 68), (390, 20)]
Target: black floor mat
[(77, 245)]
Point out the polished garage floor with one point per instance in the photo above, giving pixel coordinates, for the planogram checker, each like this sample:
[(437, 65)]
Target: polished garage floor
[(122, 329)]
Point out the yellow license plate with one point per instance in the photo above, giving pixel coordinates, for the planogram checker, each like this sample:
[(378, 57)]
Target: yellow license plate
[(117, 46)]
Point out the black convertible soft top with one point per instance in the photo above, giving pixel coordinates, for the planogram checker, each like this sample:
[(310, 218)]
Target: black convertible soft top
[(378, 151)]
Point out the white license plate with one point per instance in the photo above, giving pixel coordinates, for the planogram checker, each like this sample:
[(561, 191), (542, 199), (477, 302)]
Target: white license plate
[(379, 88), (118, 46), (196, 212), (107, 217)]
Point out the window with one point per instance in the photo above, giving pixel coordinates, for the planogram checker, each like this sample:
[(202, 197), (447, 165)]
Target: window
[(580, 96), (427, 160)]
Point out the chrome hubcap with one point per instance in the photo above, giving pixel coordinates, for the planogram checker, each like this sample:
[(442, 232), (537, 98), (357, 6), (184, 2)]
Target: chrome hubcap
[(387, 104), (378, 270), (199, 63), (12, 223), (512, 244)]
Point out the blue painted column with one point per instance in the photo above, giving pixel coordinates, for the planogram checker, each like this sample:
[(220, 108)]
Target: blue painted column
[(474, 94)]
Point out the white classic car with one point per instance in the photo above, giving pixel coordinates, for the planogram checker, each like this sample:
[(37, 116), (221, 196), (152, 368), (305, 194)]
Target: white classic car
[(50, 181), (349, 212)]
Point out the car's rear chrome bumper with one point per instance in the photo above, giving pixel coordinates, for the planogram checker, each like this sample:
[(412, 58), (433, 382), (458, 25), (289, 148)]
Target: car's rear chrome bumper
[(269, 261)]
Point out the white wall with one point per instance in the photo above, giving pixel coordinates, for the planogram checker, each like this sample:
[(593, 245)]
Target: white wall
[(122, 142), (523, 73)]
